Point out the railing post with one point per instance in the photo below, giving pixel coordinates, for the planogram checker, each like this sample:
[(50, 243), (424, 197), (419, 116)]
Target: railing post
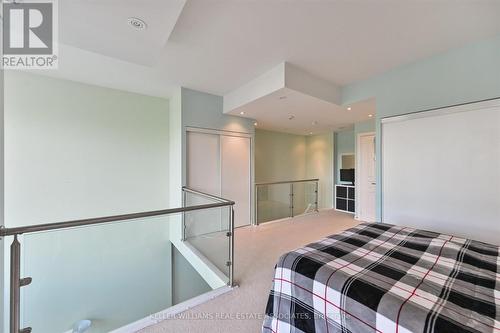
[(15, 288), (231, 246), (291, 199), (256, 205), (183, 216), (316, 195)]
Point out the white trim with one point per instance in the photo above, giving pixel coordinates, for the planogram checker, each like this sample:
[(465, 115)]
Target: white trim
[(443, 110), (172, 311), (357, 190)]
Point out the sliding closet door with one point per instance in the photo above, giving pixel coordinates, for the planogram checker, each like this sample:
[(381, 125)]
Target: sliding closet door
[(441, 170), (235, 170), (203, 174), (220, 164), (203, 162)]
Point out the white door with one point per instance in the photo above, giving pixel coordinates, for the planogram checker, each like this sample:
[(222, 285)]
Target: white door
[(367, 178), (203, 162), (203, 174), (219, 164), (235, 170)]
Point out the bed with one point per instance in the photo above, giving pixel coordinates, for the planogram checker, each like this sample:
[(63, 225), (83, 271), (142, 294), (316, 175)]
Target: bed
[(383, 278)]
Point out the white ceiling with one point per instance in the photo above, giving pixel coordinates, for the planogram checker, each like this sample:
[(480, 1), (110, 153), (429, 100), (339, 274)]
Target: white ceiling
[(101, 26), (311, 115), (219, 45)]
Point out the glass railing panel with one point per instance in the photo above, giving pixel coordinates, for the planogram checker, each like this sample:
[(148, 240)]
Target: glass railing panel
[(208, 231), (202, 222), (214, 245), (304, 198), (273, 202), (111, 274)]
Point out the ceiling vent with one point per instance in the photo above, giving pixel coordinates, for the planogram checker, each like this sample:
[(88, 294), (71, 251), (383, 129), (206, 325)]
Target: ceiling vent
[(137, 23)]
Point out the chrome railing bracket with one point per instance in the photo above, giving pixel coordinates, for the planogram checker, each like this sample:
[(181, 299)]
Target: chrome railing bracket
[(25, 281)]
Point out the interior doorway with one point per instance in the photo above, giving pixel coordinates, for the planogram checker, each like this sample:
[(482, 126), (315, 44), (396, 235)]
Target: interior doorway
[(366, 177)]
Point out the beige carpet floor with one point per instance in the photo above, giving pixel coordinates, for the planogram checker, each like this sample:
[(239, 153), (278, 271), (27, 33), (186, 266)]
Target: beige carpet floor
[(257, 250)]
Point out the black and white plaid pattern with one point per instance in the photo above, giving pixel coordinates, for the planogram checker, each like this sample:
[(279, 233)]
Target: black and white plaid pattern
[(382, 278)]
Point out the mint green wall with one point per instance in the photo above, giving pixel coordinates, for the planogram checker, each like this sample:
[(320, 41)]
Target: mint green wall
[(77, 151), (364, 127), (186, 281), (466, 74), (204, 110)]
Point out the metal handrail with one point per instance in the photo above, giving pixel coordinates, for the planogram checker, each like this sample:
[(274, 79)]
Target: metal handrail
[(204, 194), (289, 182), (16, 282), (99, 220)]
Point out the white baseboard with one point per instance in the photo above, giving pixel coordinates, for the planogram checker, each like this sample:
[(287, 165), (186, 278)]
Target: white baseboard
[(172, 311)]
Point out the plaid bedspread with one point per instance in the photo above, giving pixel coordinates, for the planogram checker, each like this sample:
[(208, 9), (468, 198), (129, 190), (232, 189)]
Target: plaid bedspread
[(384, 278)]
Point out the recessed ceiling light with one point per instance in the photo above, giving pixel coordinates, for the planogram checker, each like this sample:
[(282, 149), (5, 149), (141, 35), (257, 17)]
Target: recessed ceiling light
[(242, 113), (370, 115), (349, 108), (137, 23), (255, 124), (310, 133)]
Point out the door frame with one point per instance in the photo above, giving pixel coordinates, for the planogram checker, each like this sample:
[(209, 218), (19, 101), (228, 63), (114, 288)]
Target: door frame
[(251, 166), (357, 189)]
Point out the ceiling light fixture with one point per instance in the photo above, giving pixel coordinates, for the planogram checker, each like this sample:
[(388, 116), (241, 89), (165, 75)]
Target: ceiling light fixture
[(255, 124), (370, 115), (137, 23), (310, 133), (349, 108), (242, 113)]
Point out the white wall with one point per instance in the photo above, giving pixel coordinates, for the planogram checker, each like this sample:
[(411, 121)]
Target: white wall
[(78, 151)]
